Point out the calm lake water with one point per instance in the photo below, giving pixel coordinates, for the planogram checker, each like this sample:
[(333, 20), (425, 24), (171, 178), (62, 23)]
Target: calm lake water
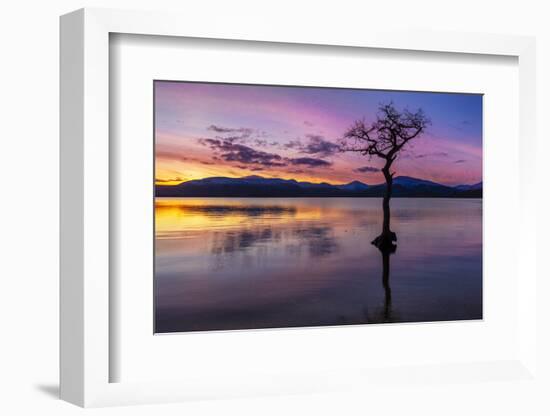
[(237, 263)]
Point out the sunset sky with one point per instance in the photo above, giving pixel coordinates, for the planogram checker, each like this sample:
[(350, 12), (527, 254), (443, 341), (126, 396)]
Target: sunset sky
[(204, 130)]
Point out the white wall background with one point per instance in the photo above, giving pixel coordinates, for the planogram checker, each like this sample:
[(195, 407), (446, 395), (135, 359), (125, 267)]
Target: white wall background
[(28, 218)]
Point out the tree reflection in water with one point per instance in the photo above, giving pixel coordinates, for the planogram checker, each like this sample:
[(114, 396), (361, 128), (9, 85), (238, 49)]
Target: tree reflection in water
[(386, 253)]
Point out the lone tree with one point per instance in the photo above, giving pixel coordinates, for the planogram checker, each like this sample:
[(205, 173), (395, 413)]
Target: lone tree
[(385, 138)]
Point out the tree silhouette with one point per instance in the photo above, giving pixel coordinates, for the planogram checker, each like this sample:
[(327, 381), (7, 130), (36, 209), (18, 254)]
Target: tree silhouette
[(385, 138)]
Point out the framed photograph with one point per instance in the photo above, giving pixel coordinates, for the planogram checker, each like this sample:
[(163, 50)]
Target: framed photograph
[(267, 198), (268, 212)]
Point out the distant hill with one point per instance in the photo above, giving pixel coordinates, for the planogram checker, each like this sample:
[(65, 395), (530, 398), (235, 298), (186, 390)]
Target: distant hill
[(475, 186), (257, 186)]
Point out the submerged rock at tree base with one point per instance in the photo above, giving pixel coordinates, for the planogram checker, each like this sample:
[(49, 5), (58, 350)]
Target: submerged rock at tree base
[(386, 242)]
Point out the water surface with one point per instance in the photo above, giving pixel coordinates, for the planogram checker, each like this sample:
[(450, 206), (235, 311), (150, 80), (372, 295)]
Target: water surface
[(238, 263)]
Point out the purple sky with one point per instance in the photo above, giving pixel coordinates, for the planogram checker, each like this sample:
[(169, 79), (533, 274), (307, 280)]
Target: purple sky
[(204, 130)]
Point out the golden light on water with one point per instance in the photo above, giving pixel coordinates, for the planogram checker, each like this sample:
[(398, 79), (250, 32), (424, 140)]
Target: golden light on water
[(174, 214)]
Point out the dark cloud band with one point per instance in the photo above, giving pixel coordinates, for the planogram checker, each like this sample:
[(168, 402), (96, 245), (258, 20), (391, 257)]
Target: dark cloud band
[(365, 169), (246, 155)]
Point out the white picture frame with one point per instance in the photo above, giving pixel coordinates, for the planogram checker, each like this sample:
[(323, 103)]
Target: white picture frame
[(85, 219)]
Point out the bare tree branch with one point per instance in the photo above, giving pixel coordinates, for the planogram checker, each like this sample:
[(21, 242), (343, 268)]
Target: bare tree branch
[(387, 135)]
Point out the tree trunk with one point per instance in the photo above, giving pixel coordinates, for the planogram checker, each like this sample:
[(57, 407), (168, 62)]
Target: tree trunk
[(386, 284), (385, 240), (386, 201)]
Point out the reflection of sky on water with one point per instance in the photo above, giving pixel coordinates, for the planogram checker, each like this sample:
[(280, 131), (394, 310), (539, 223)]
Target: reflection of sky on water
[(247, 263)]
